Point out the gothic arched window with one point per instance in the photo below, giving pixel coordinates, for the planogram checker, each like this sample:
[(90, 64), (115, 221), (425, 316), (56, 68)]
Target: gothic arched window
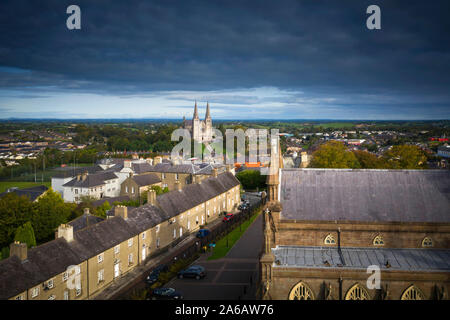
[(301, 291), (378, 241), (329, 239), (357, 292), (412, 293), (427, 242)]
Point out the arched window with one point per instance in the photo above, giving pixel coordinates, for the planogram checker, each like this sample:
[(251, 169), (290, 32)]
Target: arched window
[(427, 242), (301, 291), (412, 293), (378, 241), (329, 239), (357, 292)]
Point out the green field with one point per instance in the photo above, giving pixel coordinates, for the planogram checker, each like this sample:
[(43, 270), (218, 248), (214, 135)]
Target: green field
[(221, 248), (4, 185)]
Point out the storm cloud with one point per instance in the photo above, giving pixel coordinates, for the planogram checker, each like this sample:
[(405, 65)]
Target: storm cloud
[(317, 58)]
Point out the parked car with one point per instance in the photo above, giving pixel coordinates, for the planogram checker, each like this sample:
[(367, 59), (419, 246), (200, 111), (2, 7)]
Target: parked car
[(228, 217), (154, 275), (195, 271), (166, 293), (202, 233)]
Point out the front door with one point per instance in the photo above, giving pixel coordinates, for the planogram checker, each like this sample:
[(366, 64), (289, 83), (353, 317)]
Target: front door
[(116, 270), (143, 253)]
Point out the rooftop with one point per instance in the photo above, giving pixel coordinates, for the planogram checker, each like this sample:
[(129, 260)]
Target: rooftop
[(428, 260), (366, 195)]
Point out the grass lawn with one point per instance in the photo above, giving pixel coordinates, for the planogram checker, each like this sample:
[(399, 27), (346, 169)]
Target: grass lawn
[(221, 248), (4, 185)]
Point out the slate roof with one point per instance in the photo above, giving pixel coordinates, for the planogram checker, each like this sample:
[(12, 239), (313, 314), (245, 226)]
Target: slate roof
[(366, 195), (110, 200), (191, 195), (146, 217), (92, 180), (146, 179), (427, 260), (72, 172), (32, 193), (84, 221), (173, 168), (139, 168)]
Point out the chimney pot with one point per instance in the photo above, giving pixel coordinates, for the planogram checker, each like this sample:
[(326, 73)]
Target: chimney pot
[(86, 210)]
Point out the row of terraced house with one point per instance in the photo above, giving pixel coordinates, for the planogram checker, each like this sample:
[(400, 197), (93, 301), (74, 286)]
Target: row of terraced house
[(81, 262)]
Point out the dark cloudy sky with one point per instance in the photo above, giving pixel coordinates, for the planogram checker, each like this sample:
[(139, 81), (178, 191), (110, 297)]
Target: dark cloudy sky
[(278, 59)]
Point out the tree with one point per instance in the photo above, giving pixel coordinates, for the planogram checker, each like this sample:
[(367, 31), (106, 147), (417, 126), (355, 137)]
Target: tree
[(369, 160), (15, 211), (25, 234), (333, 154), (406, 157), (102, 209), (51, 211), (251, 179)]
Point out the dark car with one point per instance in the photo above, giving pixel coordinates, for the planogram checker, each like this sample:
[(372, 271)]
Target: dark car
[(196, 272), (227, 217), (166, 293), (154, 275), (202, 233), (243, 206)]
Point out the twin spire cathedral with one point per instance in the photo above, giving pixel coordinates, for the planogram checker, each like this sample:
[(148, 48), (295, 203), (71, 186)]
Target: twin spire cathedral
[(201, 130)]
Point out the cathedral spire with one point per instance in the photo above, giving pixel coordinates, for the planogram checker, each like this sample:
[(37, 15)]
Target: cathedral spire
[(195, 111), (208, 115)]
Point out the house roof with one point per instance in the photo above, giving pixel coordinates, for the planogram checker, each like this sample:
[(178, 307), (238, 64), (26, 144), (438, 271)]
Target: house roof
[(141, 167), (366, 195), (92, 180), (146, 179), (84, 221), (191, 195), (110, 200), (426, 260), (32, 193)]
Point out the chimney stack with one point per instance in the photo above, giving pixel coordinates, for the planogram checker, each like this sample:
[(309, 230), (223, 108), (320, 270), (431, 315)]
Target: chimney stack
[(127, 163), (65, 231), (84, 176), (121, 211), (151, 197), (78, 177), (149, 161), (214, 172), (178, 185), (19, 250), (158, 160), (86, 210)]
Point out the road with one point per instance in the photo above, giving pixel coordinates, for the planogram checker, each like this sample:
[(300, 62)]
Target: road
[(232, 277)]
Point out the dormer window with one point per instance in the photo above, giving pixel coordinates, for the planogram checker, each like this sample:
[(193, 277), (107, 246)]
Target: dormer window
[(427, 242), (378, 241)]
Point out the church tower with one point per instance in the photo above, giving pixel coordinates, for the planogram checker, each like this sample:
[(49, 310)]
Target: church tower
[(207, 136), (276, 163), (196, 125)]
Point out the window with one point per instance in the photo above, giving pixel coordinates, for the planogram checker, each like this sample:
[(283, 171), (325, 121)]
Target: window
[(101, 276), (196, 219), (157, 242), (427, 242), (181, 232), (126, 189), (130, 242), (188, 225), (76, 191), (52, 297), (100, 258), (157, 228), (130, 259), (329, 239), (143, 236), (378, 241), (117, 249), (301, 291), (174, 233), (208, 213), (50, 284), (77, 291), (412, 293), (176, 176), (132, 189), (19, 297), (66, 295), (215, 210), (163, 175), (35, 292), (65, 276), (357, 292)]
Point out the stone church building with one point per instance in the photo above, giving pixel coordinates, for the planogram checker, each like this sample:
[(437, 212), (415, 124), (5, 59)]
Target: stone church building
[(323, 228), (200, 130)]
